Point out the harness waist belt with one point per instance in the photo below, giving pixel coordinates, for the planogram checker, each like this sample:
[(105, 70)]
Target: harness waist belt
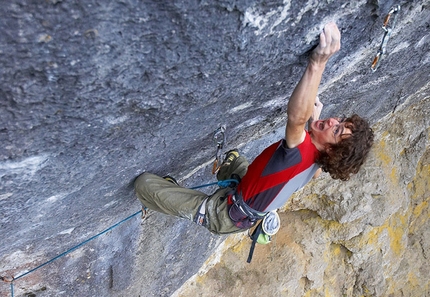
[(245, 209)]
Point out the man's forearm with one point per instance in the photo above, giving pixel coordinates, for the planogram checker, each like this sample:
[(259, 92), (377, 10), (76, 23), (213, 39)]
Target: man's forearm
[(302, 100)]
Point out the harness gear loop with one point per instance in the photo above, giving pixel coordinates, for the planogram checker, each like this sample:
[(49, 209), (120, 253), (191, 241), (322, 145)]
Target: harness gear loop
[(388, 27), (219, 139)]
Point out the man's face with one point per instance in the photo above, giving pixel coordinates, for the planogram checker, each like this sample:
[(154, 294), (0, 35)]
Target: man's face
[(328, 131)]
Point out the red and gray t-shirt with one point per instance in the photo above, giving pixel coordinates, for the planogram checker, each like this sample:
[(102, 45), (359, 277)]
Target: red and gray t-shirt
[(276, 174)]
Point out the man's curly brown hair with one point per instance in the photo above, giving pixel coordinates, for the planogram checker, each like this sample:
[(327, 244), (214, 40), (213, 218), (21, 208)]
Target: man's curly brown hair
[(345, 158)]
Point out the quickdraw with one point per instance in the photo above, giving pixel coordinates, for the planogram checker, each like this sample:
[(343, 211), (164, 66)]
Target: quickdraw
[(219, 139), (388, 27)]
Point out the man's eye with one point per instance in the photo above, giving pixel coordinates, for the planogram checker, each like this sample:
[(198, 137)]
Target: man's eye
[(336, 130)]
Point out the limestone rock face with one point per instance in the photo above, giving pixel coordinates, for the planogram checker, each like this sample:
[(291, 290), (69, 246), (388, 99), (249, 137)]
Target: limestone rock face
[(365, 237), (93, 93)]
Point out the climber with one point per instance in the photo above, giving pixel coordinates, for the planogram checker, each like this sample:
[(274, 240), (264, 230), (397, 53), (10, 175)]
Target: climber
[(337, 146)]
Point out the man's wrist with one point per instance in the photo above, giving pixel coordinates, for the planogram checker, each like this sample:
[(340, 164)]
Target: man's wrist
[(316, 65)]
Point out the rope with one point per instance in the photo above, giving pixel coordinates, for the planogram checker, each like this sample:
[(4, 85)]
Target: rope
[(221, 183), (70, 250)]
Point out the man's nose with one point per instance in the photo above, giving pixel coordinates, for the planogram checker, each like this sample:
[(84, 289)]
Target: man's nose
[(332, 122)]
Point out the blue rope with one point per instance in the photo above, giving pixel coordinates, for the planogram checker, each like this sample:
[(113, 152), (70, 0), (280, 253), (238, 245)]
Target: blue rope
[(70, 250), (221, 183)]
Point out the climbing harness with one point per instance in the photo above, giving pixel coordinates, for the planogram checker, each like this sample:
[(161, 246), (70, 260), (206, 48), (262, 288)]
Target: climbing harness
[(388, 27), (245, 209), (264, 231), (219, 139)]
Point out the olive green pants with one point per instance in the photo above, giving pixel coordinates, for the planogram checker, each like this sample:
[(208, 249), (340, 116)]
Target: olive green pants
[(160, 195)]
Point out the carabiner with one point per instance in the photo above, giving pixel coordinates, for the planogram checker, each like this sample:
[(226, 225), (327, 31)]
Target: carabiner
[(394, 10), (219, 136), (219, 139)]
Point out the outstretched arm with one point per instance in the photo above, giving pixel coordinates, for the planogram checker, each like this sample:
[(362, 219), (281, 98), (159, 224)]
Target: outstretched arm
[(301, 103)]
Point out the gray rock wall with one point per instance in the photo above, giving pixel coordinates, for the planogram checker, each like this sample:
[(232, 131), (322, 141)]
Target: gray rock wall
[(94, 93)]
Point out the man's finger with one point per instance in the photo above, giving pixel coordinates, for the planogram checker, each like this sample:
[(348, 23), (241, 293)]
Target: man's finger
[(323, 42), (328, 34), (333, 33)]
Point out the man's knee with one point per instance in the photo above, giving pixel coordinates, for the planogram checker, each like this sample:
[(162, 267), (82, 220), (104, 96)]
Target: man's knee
[(240, 166), (141, 182)]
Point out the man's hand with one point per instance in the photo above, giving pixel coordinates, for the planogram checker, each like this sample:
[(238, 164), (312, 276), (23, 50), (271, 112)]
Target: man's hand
[(317, 109), (316, 112), (329, 44)]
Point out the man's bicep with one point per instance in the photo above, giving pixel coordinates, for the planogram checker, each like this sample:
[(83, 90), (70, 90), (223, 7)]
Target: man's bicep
[(294, 134)]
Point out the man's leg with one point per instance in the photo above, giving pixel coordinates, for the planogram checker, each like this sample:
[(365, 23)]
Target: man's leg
[(163, 196)]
